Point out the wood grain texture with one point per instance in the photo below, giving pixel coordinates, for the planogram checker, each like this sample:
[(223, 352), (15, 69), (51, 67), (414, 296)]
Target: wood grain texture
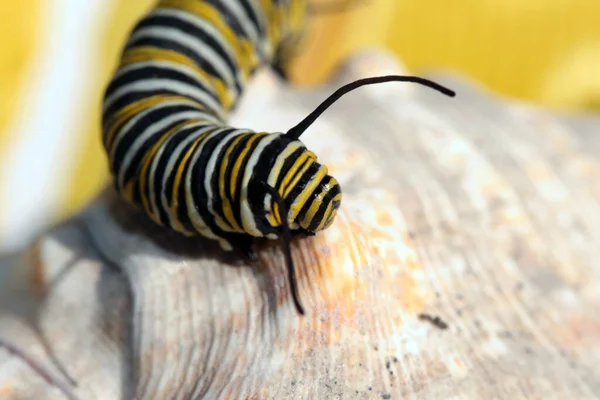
[(477, 211)]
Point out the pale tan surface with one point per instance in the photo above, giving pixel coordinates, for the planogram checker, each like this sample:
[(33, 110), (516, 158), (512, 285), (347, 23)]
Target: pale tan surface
[(483, 213)]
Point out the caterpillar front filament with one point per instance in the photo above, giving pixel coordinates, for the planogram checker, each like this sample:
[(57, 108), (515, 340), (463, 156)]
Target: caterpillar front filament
[(170, 150)]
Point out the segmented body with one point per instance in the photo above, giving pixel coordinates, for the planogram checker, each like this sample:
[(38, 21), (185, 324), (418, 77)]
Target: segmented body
[(165, 129)]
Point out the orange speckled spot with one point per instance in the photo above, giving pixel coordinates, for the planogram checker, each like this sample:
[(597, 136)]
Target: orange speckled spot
[(351, 269), (349, 161), (580, 330), (6, 390), (384, 217), (455, 366)]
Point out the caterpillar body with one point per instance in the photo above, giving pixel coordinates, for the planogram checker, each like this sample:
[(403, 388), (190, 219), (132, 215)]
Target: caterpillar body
[(170, 151)]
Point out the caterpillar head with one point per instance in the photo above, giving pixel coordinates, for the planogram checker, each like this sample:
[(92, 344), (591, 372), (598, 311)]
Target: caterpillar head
[(311, 196), (320, 207)]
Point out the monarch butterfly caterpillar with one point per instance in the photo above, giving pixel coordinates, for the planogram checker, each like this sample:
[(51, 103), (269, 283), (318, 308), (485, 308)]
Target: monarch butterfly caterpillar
[(170, 151)]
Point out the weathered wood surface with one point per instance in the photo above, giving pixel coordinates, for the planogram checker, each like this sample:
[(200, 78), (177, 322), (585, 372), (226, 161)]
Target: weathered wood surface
[(483, 213)]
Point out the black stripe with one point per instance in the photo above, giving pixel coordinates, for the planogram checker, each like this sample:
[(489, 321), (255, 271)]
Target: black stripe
[(236, 202), (145, 73), (217, 201), (199, 171), (267, 159), (260, 175), (204, 38)]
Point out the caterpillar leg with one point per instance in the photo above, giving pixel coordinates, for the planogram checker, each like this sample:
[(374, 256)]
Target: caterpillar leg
[(241, 244), (244, 244)]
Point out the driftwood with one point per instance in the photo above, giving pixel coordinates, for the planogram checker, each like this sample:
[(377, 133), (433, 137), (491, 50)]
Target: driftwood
[(464, 264)]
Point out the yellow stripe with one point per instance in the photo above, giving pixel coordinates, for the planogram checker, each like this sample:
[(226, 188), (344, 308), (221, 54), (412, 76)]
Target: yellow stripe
[(274, 217), (284, 188), (243, 48), (226, 205), (146, 161), (312, 156), (149, 53), (294, 210)]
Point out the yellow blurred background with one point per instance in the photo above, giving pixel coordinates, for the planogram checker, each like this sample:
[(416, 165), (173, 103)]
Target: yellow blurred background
[(57, 55)]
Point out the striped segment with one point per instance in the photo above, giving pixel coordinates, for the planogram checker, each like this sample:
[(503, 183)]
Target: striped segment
[(170, 151)]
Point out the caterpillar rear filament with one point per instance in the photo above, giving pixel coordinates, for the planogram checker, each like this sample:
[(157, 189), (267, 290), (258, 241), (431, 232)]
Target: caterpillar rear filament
[(170, 150)]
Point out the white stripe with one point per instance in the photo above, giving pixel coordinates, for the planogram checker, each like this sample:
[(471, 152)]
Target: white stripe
[(164, 196), (194, 215), (155, 84), (143, 137), (212, 168), (202, 50), (246, 213), (39, 164)]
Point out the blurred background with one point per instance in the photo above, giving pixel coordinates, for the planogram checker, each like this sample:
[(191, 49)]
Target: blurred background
[(57, 56)]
